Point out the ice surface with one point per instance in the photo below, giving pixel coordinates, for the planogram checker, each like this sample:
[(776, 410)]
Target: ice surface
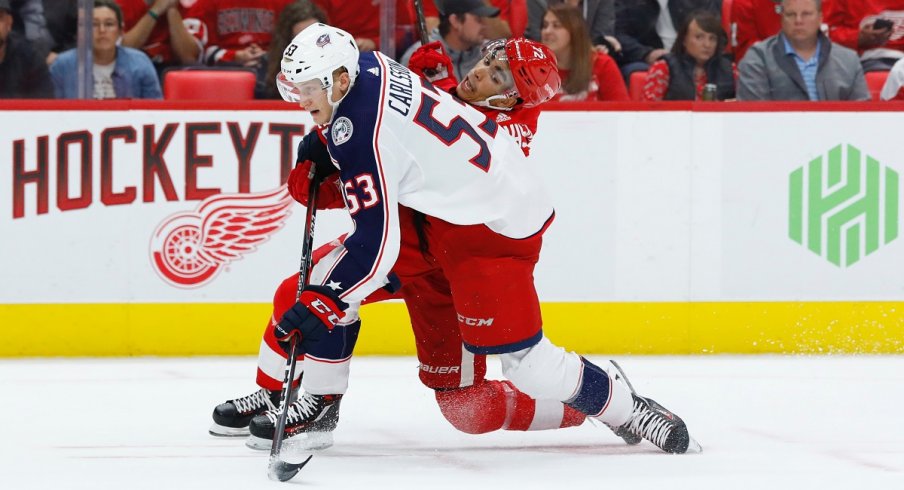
[(764, 422)]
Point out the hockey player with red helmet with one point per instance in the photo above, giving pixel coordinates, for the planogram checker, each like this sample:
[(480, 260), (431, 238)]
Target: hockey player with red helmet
[(509, 83)]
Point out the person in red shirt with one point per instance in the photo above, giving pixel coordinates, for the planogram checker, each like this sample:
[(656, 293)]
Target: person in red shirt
[(362, 20), (163, 31), (752, 21), (695, 61), (238, 31), (587, 73), (875, 28)]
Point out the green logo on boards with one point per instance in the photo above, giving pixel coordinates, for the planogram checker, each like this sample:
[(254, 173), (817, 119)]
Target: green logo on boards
[(844, 205)]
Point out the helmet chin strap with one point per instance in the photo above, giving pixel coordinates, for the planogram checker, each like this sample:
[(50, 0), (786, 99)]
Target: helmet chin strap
[(490, 99), (335, 105)]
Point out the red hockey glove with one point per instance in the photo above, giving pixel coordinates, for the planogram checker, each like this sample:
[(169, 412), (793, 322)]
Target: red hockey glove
[(312, 151), (317, 311), (432, 56), (328, 195)]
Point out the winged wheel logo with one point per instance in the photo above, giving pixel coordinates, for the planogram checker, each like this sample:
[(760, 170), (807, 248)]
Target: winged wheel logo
[(189, 249)]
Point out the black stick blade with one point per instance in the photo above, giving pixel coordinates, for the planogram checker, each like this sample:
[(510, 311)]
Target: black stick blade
[(279, 470)]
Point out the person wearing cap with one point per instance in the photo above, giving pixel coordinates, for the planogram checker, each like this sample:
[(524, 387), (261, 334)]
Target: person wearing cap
[(462, 33), (23, 72)]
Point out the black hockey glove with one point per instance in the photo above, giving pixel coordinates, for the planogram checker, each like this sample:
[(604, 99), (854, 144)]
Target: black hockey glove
[(317, 311), (312, 147)]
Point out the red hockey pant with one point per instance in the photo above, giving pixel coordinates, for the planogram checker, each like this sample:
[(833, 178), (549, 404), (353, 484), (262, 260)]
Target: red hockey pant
[(474, 288)]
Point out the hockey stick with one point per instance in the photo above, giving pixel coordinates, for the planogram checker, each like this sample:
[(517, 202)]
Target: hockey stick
[(277, 469), (422, 31), (421, 23)]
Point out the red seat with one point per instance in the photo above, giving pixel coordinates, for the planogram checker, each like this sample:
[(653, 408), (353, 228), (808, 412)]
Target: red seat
[(875, 80), (635, 85), (208, 85)]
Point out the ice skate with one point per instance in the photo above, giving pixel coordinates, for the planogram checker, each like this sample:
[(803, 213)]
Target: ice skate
[(653, 422), (629, 437), (310, 422), (231, 418)]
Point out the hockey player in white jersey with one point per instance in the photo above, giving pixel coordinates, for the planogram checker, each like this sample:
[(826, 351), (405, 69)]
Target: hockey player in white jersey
[(509, 85), (402, 147)]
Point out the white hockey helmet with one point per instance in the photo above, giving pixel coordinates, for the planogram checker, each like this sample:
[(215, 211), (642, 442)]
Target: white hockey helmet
[(314, 54)]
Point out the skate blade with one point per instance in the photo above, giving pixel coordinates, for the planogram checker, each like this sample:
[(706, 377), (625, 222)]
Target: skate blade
[(309, 441), (693, 447), (258, 443), (223, 431), (302, 443)]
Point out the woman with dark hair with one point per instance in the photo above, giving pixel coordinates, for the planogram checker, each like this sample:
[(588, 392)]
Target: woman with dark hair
[(695, 61), (586, 73), (292, 20), (119, 72)]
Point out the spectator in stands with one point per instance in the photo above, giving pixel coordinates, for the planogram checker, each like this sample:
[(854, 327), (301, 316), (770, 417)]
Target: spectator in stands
[(894, 84), (461, 32), (238, 31), (160, 29), (362, 20), (599, 15), (293, 19), (752, 21), (23, 72), (646, 30), (586, 73), (29, 20), (119, 72), (62, 23), (511, 21), (874, 28), (696, 60), (801, 63)]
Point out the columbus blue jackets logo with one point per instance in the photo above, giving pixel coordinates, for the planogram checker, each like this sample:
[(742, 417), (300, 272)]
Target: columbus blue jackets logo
[(323, 40), (342, 130)]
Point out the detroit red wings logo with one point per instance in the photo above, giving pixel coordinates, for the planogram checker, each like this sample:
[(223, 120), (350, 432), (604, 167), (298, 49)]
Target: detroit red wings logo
[(188, 249)]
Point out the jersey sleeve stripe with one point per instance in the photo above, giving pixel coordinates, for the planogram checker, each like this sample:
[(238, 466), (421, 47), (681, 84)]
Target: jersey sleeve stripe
[(381, 178)]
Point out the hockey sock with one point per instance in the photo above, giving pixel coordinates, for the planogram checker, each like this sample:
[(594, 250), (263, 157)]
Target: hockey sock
[(602, 397), (494, 405)]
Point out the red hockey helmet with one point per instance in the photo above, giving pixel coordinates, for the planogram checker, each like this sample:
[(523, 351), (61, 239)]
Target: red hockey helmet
[(534, 69)]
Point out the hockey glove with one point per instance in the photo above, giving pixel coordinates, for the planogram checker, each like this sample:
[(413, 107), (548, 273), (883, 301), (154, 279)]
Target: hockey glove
[(433, 57), (317, 311), (312, 153), (313, 147), (328, 195)]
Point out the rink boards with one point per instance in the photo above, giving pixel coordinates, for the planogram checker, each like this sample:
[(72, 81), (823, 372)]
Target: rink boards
[(679, 230)]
